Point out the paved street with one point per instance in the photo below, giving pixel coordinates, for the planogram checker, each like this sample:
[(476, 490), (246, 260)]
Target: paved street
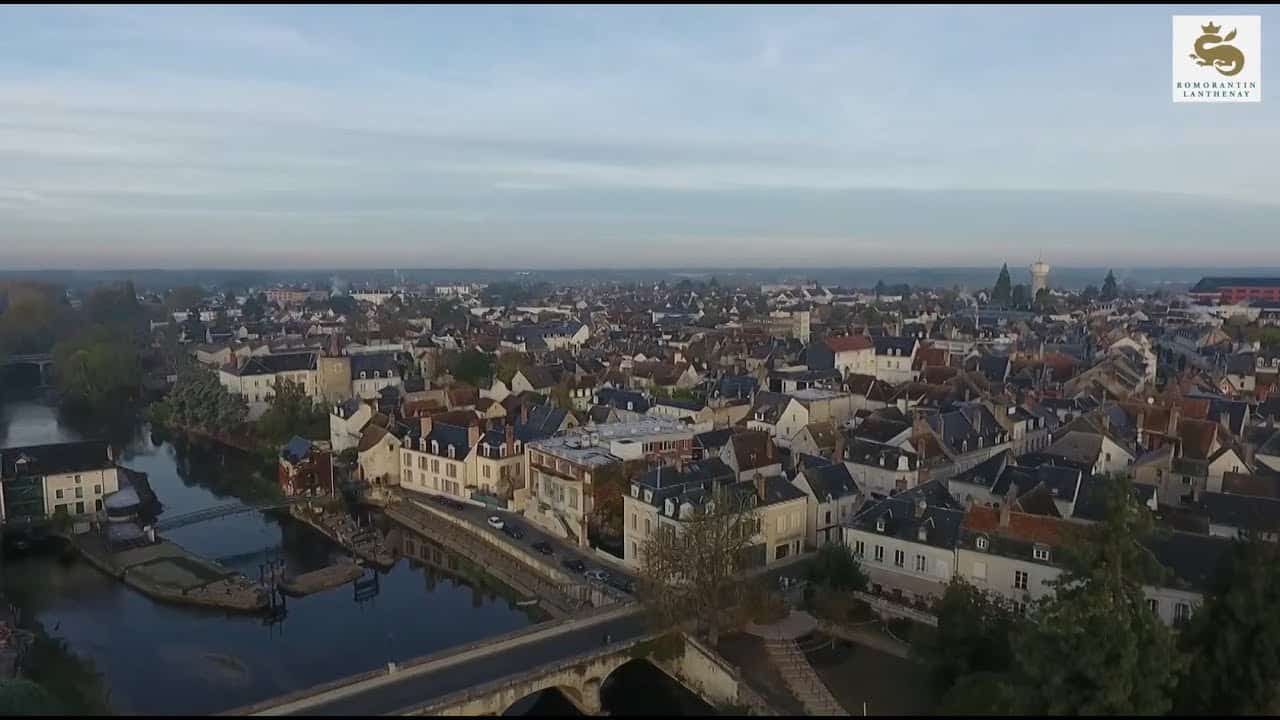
[(419, 689), (477, 516)]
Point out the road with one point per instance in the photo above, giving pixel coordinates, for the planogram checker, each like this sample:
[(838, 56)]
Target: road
[(418, 689), (478, 517)]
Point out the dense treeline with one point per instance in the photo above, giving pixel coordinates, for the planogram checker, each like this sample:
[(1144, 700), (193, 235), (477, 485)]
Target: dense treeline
[(1094, 646)]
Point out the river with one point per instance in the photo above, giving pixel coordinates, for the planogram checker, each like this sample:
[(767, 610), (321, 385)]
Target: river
[(163, 659)]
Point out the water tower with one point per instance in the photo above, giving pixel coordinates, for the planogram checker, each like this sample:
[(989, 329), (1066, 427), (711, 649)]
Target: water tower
[(1039, 277)]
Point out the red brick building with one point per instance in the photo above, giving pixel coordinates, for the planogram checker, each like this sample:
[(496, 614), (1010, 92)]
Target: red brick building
[(1231, 290)]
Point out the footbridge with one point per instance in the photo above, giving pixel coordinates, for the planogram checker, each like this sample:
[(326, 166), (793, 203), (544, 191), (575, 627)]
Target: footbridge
[(221, 511)]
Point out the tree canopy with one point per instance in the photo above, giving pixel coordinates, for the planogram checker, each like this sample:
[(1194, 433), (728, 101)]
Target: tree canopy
[(97, 371)]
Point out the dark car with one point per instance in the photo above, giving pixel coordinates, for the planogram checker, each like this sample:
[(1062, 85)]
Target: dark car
[(544, 547), (618, 582), (575, 565), (515, 532)]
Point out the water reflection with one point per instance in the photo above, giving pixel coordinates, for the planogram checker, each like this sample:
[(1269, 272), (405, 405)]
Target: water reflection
[(167, 659)]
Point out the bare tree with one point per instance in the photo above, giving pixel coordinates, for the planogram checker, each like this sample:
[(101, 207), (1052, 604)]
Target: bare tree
[(690, 567)]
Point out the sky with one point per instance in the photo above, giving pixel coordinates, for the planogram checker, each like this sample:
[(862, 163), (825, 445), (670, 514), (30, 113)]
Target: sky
[(578, 137)]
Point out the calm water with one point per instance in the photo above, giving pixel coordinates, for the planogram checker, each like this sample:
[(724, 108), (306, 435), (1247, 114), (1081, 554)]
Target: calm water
[(165, 659)]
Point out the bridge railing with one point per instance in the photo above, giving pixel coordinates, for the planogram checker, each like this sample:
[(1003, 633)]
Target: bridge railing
[(218, 511), (493, 686), (496, 644)]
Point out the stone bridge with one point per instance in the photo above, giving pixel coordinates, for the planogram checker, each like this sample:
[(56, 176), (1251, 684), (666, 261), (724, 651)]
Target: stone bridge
[(580, 678), (43, 362)]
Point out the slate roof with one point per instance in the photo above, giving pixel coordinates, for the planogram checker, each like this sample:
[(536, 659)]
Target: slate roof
[(768, 406), (622, 399), (445, 436), (55, 459), (902, 345), (1241, 511), (942, 516), (296, 450), (272, 364), (544, 421), (369, 363), (752, 450), (830, 480), (1193, 560), (712, 440)]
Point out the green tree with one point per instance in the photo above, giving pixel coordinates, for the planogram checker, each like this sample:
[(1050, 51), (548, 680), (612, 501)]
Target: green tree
[(975, 635), (1002, 294), (474, 367), (1089, 294), (183, 298), (291, 413), (508, 364), (96, 372), (1021, 297), (1109, 290), (114, 306), (1043, 299), (1234, 639), (1095, 647), (198, 400), (836, 568)]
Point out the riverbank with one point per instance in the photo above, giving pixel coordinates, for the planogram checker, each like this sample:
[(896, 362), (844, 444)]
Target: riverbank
[(322, 579), (167, 572), (368, 544)]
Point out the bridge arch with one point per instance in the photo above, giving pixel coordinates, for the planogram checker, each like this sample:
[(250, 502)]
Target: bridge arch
[(568, 693), (666, 695)]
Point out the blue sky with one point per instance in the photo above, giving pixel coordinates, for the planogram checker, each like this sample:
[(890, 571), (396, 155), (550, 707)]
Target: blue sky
[(613, 137)]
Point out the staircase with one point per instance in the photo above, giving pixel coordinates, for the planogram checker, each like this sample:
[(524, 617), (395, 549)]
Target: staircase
[(801, 678)]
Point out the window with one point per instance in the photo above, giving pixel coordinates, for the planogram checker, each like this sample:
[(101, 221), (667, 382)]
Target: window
[(451, 470), (97, 505), (781, 551), (79, 492), (979, 571), (1181, 611), (633, 521), (1019, 580), (1186, 480), (1108, 457), (407, 459), (879, 524), (435, 466), (879, 553), (77, 479), (58, 493), (408, 475), (79, 508), (920, 563), (422, 462), (982, 543), (859, 548), (1153, 605), (486, 471), (828, 521), (782, 523), (646, 527), (1041, 554), (899, 558)]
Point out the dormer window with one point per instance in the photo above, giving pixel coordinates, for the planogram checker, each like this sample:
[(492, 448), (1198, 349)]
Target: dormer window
[(880, 524), (982, 543), (635, 491), (1040, 553), (362, 375), (435, 447), (648, 495), (451, 452), (922, 533)]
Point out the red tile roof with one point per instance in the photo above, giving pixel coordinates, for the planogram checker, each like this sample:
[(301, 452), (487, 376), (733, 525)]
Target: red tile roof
[(847, 343), (1022, 526)]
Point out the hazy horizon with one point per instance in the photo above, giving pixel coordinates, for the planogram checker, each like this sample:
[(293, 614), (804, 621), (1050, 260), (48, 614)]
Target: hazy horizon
[(587, 137)]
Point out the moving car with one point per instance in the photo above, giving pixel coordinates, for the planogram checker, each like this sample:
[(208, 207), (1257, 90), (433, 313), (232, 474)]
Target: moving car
[(597, 575), (515, 532), (495, 522), (544, 547)]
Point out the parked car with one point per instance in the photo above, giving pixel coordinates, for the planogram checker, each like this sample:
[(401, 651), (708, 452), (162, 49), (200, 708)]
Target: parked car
[(515, 532), (597, 575), (575, 565), (619, 582), (495, 522), (544, 547)]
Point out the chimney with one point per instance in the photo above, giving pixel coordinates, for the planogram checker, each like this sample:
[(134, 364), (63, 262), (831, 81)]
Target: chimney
[(838, 455), (473, 434), (1006, 508), (759, 483), (425, 423), (510, 439), (524, 413), (769, 451)]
